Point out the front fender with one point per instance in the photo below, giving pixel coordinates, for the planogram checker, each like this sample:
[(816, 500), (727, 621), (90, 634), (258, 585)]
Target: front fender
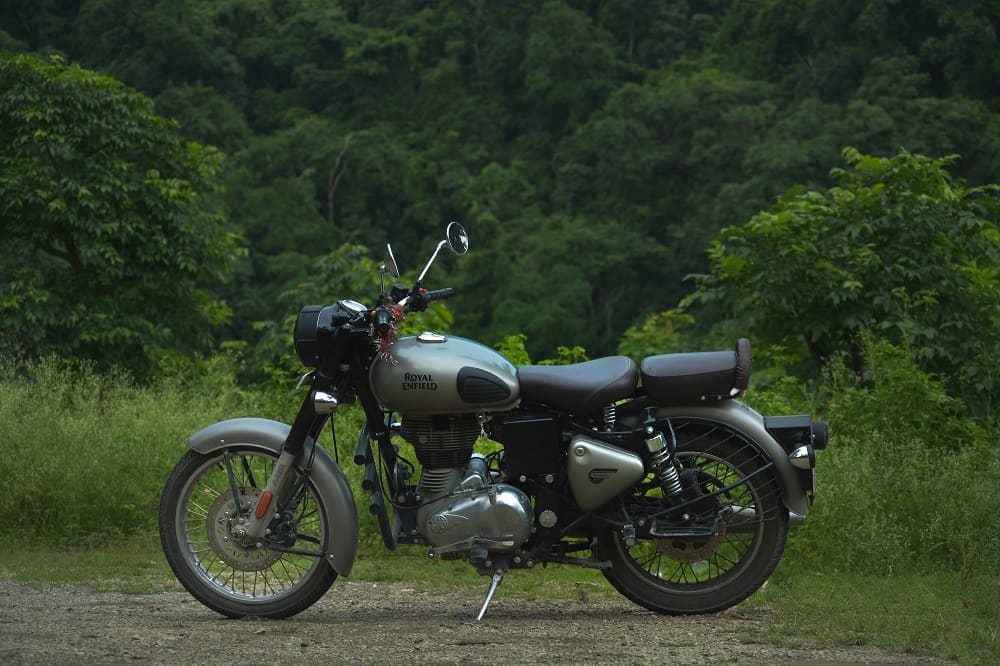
[(750, 424), (331, 484)]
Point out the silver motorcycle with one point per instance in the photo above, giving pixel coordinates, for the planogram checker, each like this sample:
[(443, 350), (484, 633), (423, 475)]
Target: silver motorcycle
[(653, 473)]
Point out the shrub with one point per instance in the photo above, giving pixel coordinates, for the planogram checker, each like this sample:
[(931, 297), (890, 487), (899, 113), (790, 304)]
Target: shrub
[(907, 482)]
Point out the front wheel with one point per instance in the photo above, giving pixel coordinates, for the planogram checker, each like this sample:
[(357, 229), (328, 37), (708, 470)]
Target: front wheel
[(197, 517), (729, 544)]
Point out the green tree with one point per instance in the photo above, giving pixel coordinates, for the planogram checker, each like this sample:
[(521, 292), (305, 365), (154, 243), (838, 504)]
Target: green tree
[(659, 333), (109, 232), (898, 247), (205, 115), (561, 281), (569, 65), (656, 157), (361, 120), (151, 44), (650, 32)]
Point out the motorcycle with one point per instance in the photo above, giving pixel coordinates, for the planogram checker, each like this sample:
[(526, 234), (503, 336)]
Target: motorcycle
[(653, 473)]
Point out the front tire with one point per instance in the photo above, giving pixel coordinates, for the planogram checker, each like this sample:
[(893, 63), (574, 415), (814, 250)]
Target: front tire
[(684, 575), (226, 575)]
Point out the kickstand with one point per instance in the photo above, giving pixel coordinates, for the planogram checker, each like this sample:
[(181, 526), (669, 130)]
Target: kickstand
[(494, 583)]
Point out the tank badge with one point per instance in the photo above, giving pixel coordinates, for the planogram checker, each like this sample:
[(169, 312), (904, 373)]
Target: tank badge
[(600, 474), (414, 381)]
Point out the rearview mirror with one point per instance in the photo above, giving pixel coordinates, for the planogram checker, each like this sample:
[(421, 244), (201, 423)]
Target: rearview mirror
[(390, 262), (458, 238)]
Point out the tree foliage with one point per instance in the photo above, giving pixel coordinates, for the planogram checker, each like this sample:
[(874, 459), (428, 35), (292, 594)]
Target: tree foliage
[(899, 247), (642, 127), (109, 232)]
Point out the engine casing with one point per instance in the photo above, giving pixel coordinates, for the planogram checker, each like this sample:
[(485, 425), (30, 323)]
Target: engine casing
[(434, 374), (476, 514)]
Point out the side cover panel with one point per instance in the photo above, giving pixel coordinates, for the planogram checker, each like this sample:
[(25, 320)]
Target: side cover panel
[(331, 485)]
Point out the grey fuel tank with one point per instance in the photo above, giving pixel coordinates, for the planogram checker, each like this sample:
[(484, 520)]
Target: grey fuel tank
[(437, 374)]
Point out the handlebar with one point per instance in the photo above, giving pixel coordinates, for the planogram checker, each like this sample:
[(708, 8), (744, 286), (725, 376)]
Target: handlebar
[(383, 317), (420, 298), (438, 294)]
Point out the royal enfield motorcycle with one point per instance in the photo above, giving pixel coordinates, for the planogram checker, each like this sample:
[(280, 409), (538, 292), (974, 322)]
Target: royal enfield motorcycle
[(653, 473)]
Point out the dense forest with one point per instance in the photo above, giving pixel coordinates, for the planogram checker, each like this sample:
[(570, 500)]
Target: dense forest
[(594, 149)]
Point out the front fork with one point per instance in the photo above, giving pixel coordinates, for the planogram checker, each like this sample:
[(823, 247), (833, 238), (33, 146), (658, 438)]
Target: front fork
[(252, 521)]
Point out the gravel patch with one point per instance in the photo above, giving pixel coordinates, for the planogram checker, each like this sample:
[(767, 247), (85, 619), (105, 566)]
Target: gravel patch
[(364, 622)]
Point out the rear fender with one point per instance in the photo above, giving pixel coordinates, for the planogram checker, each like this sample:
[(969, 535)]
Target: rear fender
[(734, 414), (331, 485)]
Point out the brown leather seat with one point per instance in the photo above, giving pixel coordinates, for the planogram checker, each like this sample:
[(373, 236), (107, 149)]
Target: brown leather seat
[(580, 388), (694, 377)]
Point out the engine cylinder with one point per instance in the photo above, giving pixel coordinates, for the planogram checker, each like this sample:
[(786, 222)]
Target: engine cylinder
[(442, 441)]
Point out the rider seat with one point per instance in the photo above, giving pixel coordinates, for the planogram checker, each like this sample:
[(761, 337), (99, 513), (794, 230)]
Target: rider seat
[(580, 388)]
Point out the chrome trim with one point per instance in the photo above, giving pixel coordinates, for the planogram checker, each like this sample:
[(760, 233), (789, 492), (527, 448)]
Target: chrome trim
[(352, 306), (427, 336), (749, 423), (803, 457), (331, 484), (324, 403)]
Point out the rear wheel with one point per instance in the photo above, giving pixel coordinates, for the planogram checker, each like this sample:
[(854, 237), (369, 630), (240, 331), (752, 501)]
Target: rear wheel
[(224, 571), (729, 544)]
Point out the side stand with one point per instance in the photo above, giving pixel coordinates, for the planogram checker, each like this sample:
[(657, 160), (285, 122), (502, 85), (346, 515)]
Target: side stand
[(494, 583)]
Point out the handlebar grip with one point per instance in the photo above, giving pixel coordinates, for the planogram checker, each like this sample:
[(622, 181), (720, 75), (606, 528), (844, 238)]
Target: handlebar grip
[(438, 294), (383, 320)]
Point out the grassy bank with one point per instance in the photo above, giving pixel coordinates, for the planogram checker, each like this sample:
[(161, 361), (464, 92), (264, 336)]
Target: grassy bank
[(941, 614)]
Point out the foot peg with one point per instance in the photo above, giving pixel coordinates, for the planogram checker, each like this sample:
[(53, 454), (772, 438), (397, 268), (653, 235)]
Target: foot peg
[(494, 583)]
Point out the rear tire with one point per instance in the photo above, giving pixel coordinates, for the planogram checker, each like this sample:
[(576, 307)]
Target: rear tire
[(679, 576), (210, 562)]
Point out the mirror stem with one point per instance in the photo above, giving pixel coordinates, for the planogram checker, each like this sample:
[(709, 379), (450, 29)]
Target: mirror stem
[(433, 257)]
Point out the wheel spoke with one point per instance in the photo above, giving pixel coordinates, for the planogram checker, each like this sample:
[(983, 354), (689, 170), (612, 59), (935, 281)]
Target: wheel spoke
[(220, 558), (714, 546), (696, 560), (248, 473)]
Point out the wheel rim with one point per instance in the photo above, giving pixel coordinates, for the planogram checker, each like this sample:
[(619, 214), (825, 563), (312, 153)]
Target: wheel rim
[(697, 565), (224, 564)]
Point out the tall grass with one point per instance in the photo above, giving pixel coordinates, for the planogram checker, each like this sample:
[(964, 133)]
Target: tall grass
[(909, 481), (85, 454), (907, 485)]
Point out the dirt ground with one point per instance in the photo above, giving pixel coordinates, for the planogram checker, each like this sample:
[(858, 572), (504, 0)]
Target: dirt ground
[(363, 622)]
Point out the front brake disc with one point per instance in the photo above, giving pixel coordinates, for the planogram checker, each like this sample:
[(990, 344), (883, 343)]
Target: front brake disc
[(234, 551)]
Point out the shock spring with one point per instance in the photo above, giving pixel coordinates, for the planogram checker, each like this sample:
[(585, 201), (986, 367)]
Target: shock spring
[(610, 417), (663, 460)]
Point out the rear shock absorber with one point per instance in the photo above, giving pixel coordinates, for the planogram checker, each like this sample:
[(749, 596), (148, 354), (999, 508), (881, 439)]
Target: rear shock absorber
[(662, 453), (610, 417)]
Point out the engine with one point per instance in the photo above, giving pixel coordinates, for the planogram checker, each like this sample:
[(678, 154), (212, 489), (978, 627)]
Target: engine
[(463, 510)]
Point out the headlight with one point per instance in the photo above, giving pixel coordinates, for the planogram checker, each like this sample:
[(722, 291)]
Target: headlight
[(314, 323), (307, 335)]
